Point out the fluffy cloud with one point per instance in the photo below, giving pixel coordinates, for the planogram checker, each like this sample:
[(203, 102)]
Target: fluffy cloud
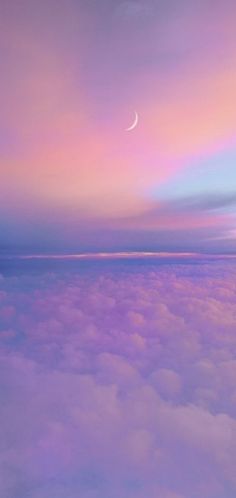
[(119, 382)]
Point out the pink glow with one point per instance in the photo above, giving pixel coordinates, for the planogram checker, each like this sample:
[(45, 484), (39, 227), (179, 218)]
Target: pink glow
[(73, 156)]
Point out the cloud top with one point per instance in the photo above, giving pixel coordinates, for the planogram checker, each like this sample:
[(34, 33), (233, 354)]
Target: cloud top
[(119, 384)]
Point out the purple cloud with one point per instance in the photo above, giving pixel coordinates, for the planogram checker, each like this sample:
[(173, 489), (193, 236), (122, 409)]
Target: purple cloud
[(119, 385)]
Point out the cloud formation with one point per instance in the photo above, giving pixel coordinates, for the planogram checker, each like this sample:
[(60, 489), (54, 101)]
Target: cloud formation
[(119, 381)]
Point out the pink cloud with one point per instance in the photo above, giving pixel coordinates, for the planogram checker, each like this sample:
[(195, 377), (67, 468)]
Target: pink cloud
[(119, 384)]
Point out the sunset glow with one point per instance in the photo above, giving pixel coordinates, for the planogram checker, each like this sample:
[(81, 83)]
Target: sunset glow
[(81, 71)]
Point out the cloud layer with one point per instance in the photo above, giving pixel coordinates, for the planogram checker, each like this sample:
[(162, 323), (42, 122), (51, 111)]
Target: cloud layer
[(119, 382)]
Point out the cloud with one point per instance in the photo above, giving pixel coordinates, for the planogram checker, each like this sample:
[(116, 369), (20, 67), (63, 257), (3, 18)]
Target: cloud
[(203, 222), (206, 202), (119, 383)]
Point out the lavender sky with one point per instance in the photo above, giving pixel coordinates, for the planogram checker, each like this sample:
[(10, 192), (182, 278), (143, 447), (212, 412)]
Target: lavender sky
[(72, 75)]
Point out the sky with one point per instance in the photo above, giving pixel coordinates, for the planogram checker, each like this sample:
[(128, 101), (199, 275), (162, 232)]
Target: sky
[(73, 73), (118, 380)]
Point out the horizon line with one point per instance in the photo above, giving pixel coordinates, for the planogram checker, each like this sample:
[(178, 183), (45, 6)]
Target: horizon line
[(122, 255)]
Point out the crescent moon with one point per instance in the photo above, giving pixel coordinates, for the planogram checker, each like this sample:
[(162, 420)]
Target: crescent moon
[(136, 118)]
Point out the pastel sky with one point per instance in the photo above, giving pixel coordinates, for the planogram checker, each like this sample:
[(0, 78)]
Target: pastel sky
[(72, 75)]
